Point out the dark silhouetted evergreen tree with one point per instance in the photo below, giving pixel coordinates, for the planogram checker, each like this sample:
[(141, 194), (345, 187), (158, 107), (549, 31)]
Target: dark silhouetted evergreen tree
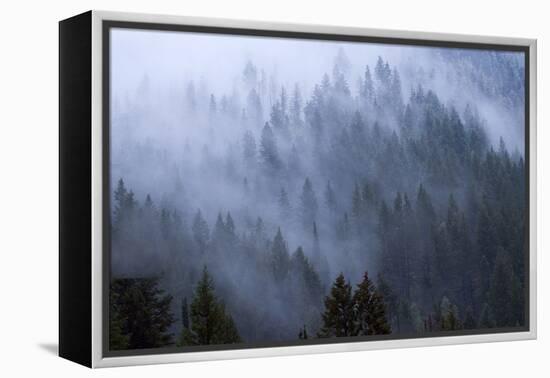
[(308, 204), (184, 313), (254, 108), (338, 318), (249, 149), (370, 310), (201, 232), (124, 205), (284, 204), (280, 259), (306, 275), (210, 324), (296, 107), (268, 149), (303, 333), (504, 295), (118, 340), (330, 199), (143, 310)]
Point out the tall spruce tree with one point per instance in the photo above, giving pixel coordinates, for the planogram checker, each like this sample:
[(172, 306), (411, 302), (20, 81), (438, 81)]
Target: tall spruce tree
[(118, 340), (330, 199), (280, 259), (184, 313), (143, 310), (249, 149), (268, 149), (504, 294), (306, 276), (125, 205), (370, 310), (210, 324), (338, 318), (201, 232), (308, 204), (284, 204), (296, 107), (390, 301), (303, 333)]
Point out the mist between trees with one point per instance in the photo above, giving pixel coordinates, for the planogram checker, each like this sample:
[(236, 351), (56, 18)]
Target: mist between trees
[(353, 207)]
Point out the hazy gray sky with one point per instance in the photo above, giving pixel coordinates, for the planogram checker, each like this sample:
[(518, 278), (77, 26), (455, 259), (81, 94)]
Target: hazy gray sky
[(168, 56), (171, 59)]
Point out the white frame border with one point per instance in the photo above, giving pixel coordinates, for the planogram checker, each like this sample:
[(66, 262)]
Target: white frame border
[(97, 187)]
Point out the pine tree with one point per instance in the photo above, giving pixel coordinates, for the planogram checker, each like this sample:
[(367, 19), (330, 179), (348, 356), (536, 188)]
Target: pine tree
[(212, 107), (449, 316), (384, 225), (148, 204), (279, 118), (165, 223), (294, 162), (390, 300), (284, 101), (342, 64), (358, 136), (284, 204), (487, 245), (343, 231), (330, 198), (118, 340), (486, 319), (316, 245), (383, 72), (469, 321), (254, 109), (319, 259), (395, 92), (325, 84), (249, 149), (504, 296), (308, 203), (313, 115), (268, 149), (219, 233), (367, 88), (424, 206), (305, 274), (370, 310), (280, 259), (201, 232), (296, 107), (258, 233), (397, 207), (426, 271), (230, 229), (250, 75), (143, 310), (184, 313), (368, 195), (356, 202), (124, 204), (338, 319), (210, 324), (303, 333)]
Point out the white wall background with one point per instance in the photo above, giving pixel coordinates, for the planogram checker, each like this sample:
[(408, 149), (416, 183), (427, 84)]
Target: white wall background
[(29, 174)]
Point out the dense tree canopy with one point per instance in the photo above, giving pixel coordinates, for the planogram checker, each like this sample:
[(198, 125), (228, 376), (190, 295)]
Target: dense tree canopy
[(290, 194)]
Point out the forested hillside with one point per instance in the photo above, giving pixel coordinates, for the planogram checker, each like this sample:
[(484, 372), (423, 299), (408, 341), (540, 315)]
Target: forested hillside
[(279, 212)]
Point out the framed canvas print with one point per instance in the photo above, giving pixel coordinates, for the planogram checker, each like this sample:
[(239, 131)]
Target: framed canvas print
[(237, 189)]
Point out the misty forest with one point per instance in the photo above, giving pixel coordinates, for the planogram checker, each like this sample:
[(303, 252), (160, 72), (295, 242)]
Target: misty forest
[(380, 192)]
